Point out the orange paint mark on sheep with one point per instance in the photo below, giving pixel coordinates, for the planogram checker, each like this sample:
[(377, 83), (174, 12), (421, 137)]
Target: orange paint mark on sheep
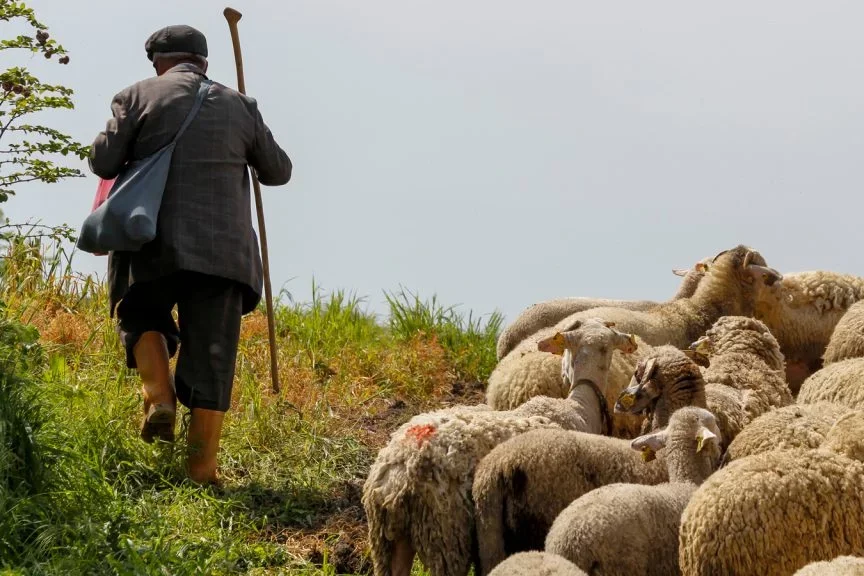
[(421, 433)]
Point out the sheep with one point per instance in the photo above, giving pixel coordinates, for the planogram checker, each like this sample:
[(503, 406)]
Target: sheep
[(536, 563), (522, 485), (550, 312), (841, 382), (773, 513), (633, 528), (793, 427), (728, 287), (744, 377), (417, 495), (847, 340), (587, 350), (802, 311), (840, 566)]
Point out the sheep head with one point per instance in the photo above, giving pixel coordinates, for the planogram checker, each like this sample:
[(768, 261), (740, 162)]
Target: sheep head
[(666, 379), (692, 429), (733, 280), (586, 349), (691, 278)]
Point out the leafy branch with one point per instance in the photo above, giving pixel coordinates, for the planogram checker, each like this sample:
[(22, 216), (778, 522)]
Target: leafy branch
[(27, 158)]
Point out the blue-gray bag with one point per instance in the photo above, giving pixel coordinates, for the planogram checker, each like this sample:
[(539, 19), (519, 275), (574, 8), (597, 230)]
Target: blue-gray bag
[(127, 219)]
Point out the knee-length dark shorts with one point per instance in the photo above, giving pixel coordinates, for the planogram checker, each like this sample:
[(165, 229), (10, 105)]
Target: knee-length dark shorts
[(209, 310)]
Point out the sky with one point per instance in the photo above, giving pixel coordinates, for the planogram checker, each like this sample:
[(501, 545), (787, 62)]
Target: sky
[(497, 153)]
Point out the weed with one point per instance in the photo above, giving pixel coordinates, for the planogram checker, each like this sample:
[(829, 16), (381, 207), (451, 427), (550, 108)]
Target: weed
[(81, 494)]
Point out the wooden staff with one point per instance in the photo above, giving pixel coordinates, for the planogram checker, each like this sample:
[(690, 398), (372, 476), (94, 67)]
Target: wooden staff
[(233, 17)]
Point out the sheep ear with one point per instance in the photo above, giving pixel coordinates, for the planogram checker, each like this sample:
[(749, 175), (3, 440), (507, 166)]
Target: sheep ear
[(626, 342), (698, 358), (650, 369), (649, 444), (554, 344), (680, 272), (703, 435)]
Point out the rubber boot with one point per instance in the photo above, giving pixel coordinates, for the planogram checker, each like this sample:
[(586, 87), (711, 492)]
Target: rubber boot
[(202, 441), (160, 401)]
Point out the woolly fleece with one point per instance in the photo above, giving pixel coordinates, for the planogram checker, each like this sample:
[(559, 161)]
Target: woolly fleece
[(847, 340), (522, 485), (773, 513), (632, 528), (794, 427), (536, 564)]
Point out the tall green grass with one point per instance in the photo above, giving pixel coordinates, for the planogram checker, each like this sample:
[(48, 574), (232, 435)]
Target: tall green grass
[(81, 494)]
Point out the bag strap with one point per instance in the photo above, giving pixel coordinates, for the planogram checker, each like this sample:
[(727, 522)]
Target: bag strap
[(199, 100)]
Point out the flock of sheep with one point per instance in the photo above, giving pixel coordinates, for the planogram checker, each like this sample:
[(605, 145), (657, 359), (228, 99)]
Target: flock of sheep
[(720, 432)]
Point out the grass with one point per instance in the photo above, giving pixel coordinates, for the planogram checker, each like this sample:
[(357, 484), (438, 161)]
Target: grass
[(81, 494)]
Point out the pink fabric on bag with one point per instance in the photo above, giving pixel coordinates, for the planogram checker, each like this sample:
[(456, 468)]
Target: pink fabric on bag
[(102, 191)]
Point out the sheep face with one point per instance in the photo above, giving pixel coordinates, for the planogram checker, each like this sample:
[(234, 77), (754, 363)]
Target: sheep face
[(742, 269), (669, 370), (692, 428), (586, 350)]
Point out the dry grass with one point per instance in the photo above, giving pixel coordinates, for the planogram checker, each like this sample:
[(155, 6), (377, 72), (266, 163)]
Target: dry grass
[(293, 463)]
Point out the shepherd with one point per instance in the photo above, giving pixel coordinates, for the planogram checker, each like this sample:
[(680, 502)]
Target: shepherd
[(205, 257)]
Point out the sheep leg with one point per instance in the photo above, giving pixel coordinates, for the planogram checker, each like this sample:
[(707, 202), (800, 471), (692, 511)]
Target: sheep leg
[(403, 558)]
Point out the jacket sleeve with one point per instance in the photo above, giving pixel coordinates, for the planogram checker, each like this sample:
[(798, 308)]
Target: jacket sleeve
[(110, 149), (272, 165)]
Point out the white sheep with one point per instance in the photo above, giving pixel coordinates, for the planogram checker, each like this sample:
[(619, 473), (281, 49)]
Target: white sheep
[(522, 485), (589, 350), (802, 311), (840, 382), (793, 427), (633, 528), (727, 288), (744, 378), (840, 566), (847, 340), (417, 495), (550, 312), (536, 563), (773, 513)]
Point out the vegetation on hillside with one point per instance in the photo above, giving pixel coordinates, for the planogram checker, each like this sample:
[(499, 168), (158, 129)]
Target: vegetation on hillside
[(81, 494)]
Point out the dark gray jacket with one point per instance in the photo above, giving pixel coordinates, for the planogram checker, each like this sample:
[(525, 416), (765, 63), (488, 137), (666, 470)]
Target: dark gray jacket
[(205, 222)]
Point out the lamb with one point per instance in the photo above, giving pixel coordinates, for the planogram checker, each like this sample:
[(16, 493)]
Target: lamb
[(417, 495), (550, 312), (841, 382), (589, 350), (840, 566), (802, 311), (773, 513), (536, 563), (522, 485), (744, 378), (793, 427), (633, 528), (727, 288), (847, 340)]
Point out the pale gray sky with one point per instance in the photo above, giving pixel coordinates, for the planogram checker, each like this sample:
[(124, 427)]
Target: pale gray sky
[(498, 153)]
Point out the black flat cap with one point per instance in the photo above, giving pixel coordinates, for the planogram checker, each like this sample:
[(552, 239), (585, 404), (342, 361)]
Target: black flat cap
[(178, 38)]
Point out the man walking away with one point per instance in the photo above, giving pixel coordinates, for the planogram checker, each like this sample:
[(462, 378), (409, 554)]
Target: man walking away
[(205, 257)]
